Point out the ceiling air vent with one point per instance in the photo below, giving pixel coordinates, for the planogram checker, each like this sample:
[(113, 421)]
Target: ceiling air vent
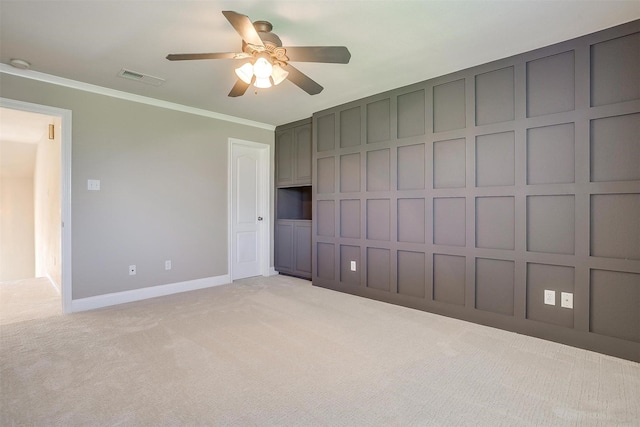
[(139, 77)]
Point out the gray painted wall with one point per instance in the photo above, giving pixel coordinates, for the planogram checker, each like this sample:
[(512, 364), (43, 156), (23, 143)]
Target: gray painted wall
[(163, 188), (470, 194)]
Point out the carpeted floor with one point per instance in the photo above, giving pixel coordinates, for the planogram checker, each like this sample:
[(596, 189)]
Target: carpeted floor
[(277, 351)]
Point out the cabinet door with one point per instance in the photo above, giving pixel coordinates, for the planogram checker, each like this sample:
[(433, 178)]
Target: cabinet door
[(284, 157), (284, 250), (302, 155), (302, 238)]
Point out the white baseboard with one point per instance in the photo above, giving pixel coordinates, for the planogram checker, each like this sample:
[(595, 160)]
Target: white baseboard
[(273, 272), (99, 301), (53, 283)]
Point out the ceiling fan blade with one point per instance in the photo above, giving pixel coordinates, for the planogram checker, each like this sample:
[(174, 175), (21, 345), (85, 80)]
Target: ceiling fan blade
[(239, 89), (190, 56), (331, 54), (303, 81), (242, 24)]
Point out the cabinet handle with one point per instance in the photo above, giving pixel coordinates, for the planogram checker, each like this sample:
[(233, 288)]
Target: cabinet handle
[(259, 218)]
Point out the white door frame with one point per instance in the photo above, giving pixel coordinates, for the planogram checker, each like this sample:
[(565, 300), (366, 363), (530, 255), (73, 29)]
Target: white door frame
[(263, 188), (65, 188)]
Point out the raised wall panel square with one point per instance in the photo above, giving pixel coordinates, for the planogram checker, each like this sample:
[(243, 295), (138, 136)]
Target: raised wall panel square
[(347, 255), (411, 165), (449, 221), (551, 224), (326, 132), (411, 220), (551, 154), (350, 127), (378, 219), (541, 277), (325, 217), (326, 175), (411, 114), (449, 111), (378, 173), (551, 84), (378, 121), (350, 218), (615, 225), (411, 273), (302, 235), (494, 285), (495, 159), (615, 148), (449, 278), (379, 268), (326, 261), (615, 67), (495, 96), (449, 163), (615, 304), (284, 248), (495, 222), (284, 154), (350, 173)]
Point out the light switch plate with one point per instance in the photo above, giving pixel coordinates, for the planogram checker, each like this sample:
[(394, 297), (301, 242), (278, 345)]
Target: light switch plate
[(549, 297), (93, 184), (353, 266), (566, 300)]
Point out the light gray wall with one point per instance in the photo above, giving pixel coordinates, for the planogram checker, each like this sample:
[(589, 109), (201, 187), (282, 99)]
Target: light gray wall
[(470, 194), (163, 190)]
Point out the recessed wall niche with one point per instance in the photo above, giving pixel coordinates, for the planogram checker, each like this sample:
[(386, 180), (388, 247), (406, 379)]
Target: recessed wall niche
[(449, 164), (449, 221), (495, 222), (449, 278), (551, 224), (551, 85), (411, 220), (494, 285), (615, 148), (378, 121), (411, 114), (378, 268), (543, 168), (449, 112), (495, 157), (350, 127), (615, 67), (495, 97), (411, 162)]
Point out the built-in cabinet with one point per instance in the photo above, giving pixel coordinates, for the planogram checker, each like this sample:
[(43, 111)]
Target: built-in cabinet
[(293, 199)]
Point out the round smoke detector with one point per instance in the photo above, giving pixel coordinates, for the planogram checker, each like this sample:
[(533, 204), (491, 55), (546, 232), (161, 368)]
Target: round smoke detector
[(19, 63)]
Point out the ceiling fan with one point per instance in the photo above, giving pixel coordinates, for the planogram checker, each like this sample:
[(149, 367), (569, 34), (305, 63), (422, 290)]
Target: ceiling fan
[(267, 60)]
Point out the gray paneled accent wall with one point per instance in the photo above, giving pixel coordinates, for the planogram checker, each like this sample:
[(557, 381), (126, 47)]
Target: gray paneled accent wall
[(472, 194)]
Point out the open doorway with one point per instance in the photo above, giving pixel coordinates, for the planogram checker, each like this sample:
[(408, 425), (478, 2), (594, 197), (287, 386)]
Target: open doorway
[(33, 174)]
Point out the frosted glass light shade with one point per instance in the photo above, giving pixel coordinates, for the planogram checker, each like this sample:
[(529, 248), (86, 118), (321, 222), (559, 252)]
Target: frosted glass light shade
[(262, 68), (278, 74), (245, 73), (262, 83)]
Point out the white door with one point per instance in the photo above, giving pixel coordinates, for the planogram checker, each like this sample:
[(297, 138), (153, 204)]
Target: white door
[(247, 219)]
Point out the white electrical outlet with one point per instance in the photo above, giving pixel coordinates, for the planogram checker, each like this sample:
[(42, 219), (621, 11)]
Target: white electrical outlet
[(566, 300), (167, 264), (353, 266), (132, 270), (549, 297)]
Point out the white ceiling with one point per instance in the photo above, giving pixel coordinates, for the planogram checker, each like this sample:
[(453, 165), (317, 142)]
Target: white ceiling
[(392, 43)]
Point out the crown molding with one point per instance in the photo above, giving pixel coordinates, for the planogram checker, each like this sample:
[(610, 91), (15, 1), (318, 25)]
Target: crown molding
[(61, 81)]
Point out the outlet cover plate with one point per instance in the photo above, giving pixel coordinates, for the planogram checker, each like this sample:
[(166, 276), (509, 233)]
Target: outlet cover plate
[(167, 264), (549, 297), (353, 266), (132, 270), (566, 300)]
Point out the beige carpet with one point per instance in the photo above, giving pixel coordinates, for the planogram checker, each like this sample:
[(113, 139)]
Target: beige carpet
[(277, 351)]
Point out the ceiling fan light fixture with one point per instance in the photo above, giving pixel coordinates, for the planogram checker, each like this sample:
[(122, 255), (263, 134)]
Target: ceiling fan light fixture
[(278, 74), (245, 73), (262, 83), (262, 68)]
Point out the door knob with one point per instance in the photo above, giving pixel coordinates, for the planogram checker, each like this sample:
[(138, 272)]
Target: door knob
[(259, 218)]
